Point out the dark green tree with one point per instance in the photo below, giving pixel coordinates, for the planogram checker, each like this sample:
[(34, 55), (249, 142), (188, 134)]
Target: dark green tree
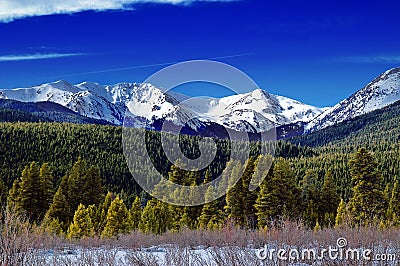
[(156, 217), (329, 202), (279, 195), (368, 202), (310, 198)]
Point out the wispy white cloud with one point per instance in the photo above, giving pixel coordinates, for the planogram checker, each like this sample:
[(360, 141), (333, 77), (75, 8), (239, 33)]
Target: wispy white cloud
[(22, 57), (15, 9), (371, 59)]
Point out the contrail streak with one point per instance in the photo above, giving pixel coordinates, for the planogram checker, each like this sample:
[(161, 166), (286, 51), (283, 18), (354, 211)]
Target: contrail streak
[(150, 65)]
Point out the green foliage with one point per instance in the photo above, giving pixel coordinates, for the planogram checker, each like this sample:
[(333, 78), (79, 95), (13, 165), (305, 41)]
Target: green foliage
[(310, 198), (59, 209), (32, 192), (117, 221), (82, 225), (233, 196), (341, 213), (368, 201), (329, 201), (135, 214), (81, 185), (211, 216), (156, 218), (393, 212), (279, 195)]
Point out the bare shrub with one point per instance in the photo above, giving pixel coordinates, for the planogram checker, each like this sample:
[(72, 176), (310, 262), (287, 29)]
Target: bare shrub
[(141, 259), (16, 239)]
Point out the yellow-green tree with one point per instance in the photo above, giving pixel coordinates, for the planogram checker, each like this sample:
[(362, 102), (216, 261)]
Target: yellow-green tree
[(135, 214), (82, 225), (117, 221)]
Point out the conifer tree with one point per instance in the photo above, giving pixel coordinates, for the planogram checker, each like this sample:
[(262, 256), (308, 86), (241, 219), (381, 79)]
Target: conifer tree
[(264, 200), (393, 212), (117, 221), (279, 195), (135, 214), (92, 188), (52, 226), (156, 218), (310, 198), (248, 197), (341, 213), (330, 200), (32, 193), (82, 225), (101, 215), (45, 194), (3, 193), (192, 213), (13, 200), (207, 177), (233, 198), (81, 184), (59, 210), (29, 191), (211, 216), (368, 201)]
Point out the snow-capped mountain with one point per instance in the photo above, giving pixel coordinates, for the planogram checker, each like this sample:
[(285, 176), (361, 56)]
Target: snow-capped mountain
[(382, 91), (255, 111)]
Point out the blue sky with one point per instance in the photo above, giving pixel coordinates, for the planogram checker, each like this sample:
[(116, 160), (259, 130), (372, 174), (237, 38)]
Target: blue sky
[(317, 52)]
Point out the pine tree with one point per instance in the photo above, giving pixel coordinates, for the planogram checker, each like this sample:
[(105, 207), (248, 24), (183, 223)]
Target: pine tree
[(156, 218), (82, 225), (3, 193), (135, 214), (211, 216), (368, 201), (207, 177), (92, 188), (317, 226), (279, 195), (310, 198), (81, 184), (329, 201), (264, 200), (52, 226), (102, 210), (45, 194), (117, 219), (341, 213), (32, 193), (233, 198), (13, 200), (393, 212), (29, 192), (248, 197), (59, 210)]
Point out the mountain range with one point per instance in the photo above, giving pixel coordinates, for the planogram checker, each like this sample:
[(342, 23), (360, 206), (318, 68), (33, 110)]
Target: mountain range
[(143, 105)]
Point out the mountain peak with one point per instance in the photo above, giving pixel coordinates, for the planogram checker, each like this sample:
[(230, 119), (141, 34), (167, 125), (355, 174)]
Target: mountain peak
[(382, 91)]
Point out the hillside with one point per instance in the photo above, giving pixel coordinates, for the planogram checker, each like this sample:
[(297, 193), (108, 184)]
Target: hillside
[(379, 125)]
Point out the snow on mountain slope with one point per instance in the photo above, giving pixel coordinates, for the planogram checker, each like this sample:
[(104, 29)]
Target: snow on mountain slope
[(382, 91), (254, 111)]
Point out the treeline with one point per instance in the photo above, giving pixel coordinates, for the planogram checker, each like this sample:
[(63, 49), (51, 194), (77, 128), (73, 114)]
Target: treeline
[(60, 145), (80, 206)]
